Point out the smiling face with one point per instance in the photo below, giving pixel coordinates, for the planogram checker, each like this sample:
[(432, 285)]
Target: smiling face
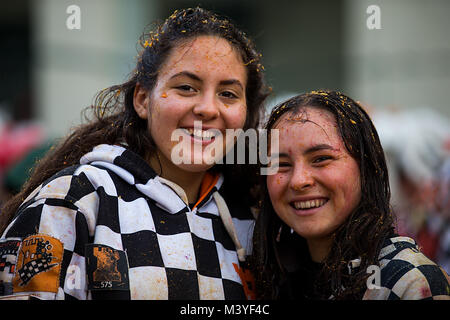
[(318, 182), (202, 82)]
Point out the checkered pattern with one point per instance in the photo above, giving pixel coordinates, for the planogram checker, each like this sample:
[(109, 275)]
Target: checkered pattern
[(114, 198), (408, 274), (30, 269), (8, 255)]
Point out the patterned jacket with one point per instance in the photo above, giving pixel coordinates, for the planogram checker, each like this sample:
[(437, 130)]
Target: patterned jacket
[(407, 274), (111, 228)]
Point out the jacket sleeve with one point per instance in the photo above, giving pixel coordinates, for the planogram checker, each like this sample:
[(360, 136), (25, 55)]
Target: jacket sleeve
[(410, 276), (428, 282), (43, 247)]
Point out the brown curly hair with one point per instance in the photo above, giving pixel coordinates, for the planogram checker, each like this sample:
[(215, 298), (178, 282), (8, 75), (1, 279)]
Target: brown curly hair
[(114, 118)]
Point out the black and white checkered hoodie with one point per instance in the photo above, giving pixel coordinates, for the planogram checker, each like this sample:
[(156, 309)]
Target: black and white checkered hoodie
[(404, 273), (113, 198)]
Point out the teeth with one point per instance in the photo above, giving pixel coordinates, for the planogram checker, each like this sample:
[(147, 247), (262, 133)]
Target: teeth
[(200, 134), (309, 204)]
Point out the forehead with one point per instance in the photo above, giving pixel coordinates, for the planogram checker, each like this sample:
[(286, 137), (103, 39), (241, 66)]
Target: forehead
[(310, 125), (206, 54)]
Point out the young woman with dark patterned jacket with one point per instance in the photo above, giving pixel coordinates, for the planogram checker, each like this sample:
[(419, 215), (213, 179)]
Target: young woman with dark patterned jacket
[(326, 229)]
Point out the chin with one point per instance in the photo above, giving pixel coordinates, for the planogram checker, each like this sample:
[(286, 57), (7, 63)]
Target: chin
[(309, 232), (196, 168)]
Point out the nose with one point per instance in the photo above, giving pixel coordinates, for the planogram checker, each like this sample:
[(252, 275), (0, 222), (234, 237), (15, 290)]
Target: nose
[(207, 107), (302, 178)]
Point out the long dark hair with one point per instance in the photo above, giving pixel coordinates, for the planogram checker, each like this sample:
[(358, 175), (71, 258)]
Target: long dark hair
[(364, 231), (114, 118)]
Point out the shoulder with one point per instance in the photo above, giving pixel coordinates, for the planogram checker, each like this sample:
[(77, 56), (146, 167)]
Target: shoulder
[(74, 187), (406, 273), (69, 193), (72, 184)]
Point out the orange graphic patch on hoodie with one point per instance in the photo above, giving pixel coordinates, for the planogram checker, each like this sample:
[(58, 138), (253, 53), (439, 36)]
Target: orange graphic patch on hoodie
[(38, 264)]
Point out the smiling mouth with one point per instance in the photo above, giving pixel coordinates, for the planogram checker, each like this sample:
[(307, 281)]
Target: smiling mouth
[(200, 134), (308, 204)]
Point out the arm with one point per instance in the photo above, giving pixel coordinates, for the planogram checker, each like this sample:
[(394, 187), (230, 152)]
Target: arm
[(426, 282), (44, 244)]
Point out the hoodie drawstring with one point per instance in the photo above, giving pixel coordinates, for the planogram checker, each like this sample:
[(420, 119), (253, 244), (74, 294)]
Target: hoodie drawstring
[(225, 215)]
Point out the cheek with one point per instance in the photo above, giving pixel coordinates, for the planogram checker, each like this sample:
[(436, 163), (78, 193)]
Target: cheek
[(235, 116), (353, 179), (276, 184), (164, 114), (350, 188), (161, 124), (355, 191)]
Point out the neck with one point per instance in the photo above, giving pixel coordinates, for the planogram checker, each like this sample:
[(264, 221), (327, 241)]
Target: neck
[(189, 181), (319, 248)]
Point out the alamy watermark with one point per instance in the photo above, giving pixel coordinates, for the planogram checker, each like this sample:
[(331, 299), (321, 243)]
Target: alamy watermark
[(73, 21), (74, 276), (373, 282), (374, 19), (211, 146)]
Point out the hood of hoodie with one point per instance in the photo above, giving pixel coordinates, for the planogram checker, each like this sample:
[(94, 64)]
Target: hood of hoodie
[(135, 171), (168, 195)]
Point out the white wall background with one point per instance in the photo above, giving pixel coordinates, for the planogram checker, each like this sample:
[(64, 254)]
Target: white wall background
[(406, 64), (71, 66)]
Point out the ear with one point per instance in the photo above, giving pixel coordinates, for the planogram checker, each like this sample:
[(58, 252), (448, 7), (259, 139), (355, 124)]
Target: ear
[(141, 99)]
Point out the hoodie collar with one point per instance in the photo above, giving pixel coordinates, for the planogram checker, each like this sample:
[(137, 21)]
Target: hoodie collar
[(167, 194), (136, 171)]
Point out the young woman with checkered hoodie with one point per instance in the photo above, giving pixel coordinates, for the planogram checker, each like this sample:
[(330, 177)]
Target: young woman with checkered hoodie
[(114, 212), (326, 229)]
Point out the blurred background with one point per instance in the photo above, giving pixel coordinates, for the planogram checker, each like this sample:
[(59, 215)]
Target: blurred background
[(399, 70)]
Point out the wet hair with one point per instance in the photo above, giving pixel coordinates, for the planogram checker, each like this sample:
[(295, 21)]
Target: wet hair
[(115, 120), (364, 231)]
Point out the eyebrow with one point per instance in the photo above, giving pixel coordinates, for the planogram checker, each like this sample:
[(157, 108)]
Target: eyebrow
[(279, 155), (307, 151), (231, 82), (196, 78), (319, 147), (187, 74)]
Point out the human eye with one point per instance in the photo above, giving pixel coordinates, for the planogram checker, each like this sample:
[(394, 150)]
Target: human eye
[(282, 165), (185, 88), (322, 159), (228, 94)]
